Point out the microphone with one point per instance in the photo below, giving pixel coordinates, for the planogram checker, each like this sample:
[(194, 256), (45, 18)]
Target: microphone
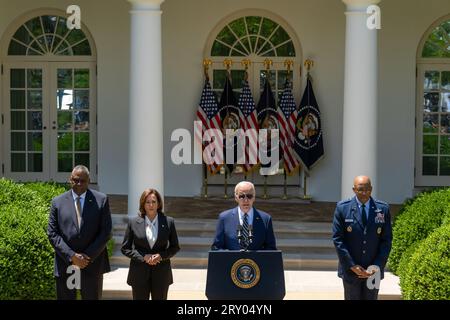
[(239, 233), (250, 233)]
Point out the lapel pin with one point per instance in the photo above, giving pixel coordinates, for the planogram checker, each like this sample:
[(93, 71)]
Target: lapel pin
[(349, 229)]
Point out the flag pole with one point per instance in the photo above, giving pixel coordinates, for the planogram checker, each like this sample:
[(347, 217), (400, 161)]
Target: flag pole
[(206, 64), (308, 64), (227, 63), (288, 64)]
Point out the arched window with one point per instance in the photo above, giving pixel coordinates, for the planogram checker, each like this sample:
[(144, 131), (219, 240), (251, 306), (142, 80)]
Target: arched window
[(48, 35), (433, 107), (49, 104)]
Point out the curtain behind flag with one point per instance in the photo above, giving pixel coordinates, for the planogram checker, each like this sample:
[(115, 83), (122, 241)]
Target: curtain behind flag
[(232, 119), (267, 118), (247, 106), (287, 116), (308, 142), (208, 114)]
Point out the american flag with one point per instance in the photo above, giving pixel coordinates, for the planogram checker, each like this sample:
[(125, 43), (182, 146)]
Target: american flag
[(208, 114), (247, 106), (287, 116)]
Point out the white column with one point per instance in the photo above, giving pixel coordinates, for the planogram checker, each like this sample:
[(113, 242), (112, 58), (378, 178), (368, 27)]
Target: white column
[(145, 150), (359, 156)]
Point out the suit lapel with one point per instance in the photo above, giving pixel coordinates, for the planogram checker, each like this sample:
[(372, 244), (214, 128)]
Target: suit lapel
[(162, 229), (87, 205), (72, 211), (371, 217), (140, 228)]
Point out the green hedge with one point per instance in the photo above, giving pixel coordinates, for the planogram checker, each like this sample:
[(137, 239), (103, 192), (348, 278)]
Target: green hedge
[(416, 221), (26, 256), (427, 274)]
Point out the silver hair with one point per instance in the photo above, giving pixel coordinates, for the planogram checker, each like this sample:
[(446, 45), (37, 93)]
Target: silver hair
[(81, 168), (242, 183)]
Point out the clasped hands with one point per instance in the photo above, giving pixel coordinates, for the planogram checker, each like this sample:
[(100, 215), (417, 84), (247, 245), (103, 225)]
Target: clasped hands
[(152, 259), (361, 272), (81, 260)]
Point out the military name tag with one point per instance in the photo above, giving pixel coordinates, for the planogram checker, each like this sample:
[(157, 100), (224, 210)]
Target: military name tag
[(349, 229), (379, 230)]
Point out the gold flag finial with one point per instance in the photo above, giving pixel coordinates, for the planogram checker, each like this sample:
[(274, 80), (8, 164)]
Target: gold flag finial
[(206, 64), (288, 64), (228, 63), (268, 63), (246, 63), (309, 64)]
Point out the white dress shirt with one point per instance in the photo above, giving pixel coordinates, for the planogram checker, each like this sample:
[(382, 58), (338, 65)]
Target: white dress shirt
[(249, 216)]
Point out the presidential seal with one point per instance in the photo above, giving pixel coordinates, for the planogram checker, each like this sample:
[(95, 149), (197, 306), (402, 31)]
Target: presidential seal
[(245, 273)]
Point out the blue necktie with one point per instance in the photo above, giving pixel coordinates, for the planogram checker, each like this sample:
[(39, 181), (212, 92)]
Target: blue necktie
[(245, 229), (363, 215)]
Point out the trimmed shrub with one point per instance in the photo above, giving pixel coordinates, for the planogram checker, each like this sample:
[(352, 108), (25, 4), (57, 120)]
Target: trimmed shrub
[(26, 256), (418, 219), (47, 191), (406, 258), (427, 275)]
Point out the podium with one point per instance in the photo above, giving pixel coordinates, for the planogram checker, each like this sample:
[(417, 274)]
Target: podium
[(245, 275)]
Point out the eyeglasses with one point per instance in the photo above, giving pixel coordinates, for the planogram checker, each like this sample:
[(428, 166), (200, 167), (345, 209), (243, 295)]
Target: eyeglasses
[(77, 181), (361, 190), (242, 196)]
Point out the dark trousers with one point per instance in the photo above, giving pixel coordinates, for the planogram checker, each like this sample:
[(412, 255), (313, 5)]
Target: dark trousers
[(142, 292), (91, 287), (358, 290)]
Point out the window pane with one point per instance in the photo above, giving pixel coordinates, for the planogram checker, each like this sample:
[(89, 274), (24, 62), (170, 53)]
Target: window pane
[(82, 141), (35, 162), (82, 49), (430, 144), (445, 123), (253, 24), (445, 81), (445, 145), (34, 120), (65, 78), (81, 120), (286, 50), (65, 141), (280, 36), (263, 76), (49, 23), (444, 166), (237, 76), (17, 141), (34, 141), (62, 27), (65, 162), (22, 35), (17, 99), (75, 36), (17, 120), (17, 78), (18, 163), (83, 159), (34, 99), (267, 27), (81, 78), (431, 80), (81, 99), (431, 101), (64, 120), (34, 78), (282, 74), (16, 49), (429, 166), (219, 49), (219, 78), (238, 27), (430, 123), (445, 102), (64, 99), (34, 25), (226, 36)]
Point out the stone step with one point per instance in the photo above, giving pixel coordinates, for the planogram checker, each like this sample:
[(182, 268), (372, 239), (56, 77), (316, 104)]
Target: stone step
[(285, 245), (199, 259)]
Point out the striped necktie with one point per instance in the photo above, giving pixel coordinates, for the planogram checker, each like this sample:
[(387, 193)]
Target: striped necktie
[(245, 229), (78, 210)]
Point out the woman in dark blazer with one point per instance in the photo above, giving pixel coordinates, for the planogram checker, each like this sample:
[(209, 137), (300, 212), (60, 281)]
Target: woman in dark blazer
[(150, 241)]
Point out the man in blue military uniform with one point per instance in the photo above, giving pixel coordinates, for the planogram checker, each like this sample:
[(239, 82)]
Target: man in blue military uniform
[(362, 235)]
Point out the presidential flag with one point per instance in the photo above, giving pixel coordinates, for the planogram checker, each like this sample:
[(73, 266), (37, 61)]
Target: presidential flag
[(287, 116), (232, 119), (247, 106), (308, 142), (267, 119), (208, 114)]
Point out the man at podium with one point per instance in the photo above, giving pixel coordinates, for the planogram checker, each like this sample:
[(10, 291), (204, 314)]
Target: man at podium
[(244, 227)]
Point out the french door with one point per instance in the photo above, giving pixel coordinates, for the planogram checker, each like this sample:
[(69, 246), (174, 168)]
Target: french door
[(49, 120)]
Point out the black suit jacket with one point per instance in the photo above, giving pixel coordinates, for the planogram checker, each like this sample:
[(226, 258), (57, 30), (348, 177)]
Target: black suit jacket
[(135, 246), (91, 238)]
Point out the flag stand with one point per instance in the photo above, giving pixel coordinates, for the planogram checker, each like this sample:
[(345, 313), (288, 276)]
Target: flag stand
[(265, 188), (305, 196), (205, 181), (285, 186), (225, 185)]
